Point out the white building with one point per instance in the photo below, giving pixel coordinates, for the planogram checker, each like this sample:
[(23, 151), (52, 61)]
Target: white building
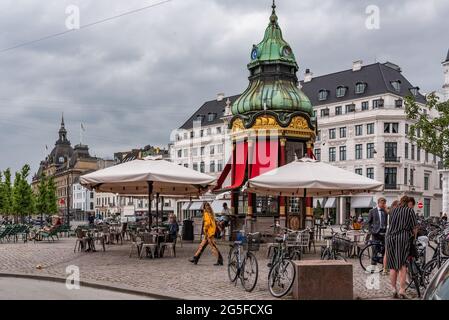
[(83, 200), (362, 128)]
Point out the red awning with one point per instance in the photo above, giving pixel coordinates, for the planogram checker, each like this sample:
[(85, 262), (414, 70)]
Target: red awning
[(264, 157), (238, 167)]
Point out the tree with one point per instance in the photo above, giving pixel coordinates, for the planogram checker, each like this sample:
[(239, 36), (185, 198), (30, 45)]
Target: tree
[(23, 202), (52, 200), (42, 197), (1, 193), (431, 133), (6, 193)]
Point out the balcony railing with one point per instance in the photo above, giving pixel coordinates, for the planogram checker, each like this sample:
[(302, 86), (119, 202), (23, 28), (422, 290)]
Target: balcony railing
[(391, 187), (392, 159)]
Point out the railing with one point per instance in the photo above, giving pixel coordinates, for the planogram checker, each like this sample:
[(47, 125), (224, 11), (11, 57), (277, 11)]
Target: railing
[(391, 187), (392, 159)]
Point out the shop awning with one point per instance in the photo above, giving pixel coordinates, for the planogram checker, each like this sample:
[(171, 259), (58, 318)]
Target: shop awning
[(318, 200), (239, 165), (185, 206), (362, 202), (264, 157), (217, 205), (331, 203), (197, 205)]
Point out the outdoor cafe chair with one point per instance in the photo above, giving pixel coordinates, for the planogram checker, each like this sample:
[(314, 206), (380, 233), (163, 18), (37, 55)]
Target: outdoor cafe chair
[(170, 246), (136, 242), (148, 245), (81, 240)]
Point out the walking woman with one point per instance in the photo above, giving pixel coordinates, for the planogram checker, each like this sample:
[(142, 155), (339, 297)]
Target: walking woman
[(209, 229), (403, 226)]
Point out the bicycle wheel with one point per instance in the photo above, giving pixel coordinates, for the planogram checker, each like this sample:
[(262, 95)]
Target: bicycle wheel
[(281, 278), (414, 277), (250, 272), (429, 270), (344, 227), (233, 264), (326, 254), (366, 257)]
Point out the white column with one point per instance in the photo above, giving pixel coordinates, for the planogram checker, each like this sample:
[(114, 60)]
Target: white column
[(445, 191), (341, 210)]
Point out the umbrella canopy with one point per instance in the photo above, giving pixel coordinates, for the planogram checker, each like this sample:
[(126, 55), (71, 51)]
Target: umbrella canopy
[(312, 178), (131, 178)]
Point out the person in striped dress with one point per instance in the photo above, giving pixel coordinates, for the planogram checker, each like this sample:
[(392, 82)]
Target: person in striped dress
[(403, 226)]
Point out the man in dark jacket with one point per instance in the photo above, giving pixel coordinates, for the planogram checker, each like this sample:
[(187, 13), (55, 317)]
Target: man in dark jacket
[(377, 222)]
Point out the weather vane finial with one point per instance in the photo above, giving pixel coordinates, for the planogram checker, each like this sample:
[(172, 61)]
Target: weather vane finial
[(274, 5)]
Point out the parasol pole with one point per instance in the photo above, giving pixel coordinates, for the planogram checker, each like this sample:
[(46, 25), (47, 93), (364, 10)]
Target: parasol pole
[(157, 212), (150, 191)]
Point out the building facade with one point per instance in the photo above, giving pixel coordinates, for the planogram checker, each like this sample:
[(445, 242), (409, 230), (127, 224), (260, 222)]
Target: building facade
[(363, 128), (65, 164)]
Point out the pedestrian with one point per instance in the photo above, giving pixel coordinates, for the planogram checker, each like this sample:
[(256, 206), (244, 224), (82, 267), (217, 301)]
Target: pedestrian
[(91, 219), (402, 229), (223, 220), (209, 229), (173, 228), (444, 217), (377, 226), (390, 209)]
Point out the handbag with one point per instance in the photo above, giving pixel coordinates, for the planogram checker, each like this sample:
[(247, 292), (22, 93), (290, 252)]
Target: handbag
[(413, 251)]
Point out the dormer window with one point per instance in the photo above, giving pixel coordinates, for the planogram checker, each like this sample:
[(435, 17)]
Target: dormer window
[(360, 87), (396, 85), (341, 91), (199, 117), (211, 117), (61, 160), (414, 91), (322, 95)]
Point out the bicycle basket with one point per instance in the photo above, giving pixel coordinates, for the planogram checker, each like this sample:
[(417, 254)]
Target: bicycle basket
[(445, 246), (341, 244), (252, 242)]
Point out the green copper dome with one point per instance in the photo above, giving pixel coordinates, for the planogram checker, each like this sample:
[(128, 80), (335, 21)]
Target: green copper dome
[(273, 81)]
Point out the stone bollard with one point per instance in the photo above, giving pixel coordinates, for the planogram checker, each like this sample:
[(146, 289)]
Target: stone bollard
[(323, 280)]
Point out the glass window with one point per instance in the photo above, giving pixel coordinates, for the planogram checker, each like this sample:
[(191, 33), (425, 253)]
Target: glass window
[(322, 95), (202, 133), (412, 177), (360, 87), (202, 167), (218, 130), (405, 176), (195, 166), (343, 132), (186, 165), (324, 112), (370, 150), (441, 181), (219, 148), (341, 92), (358, 151), (426, 156), (332, 154), (342, 153), (391, 151), (211, 116), (358, 130), (398, 103), (209, 131), (365, 105), (406, 128), (211, 150), (179, 153), (317, 153), (370, 128), (202, 151), (219, 166), (185, 152), (332, 134), (395, 127), (194, 152), (406, 151), (390, 178), (350, 108), (426, 181), (318, 136), (378, 103), (370, 173), (414, 91), (338, 111), (386, 127), (413, 152), (418, 154), (212, 166), (396, 85), (359, 171)]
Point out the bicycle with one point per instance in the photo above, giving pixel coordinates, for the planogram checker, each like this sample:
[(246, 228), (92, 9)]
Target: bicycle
[(282, 271), (349, 225), (335, 244), (417, 274), (243, 265), (372, 255)]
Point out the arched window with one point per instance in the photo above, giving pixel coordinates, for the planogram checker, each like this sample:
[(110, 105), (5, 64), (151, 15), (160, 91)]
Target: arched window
[(341, 91), (396, 85), (322, 95), (360, 87)]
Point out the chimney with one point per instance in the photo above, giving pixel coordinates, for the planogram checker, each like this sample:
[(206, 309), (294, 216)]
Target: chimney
[(220, 96), (308, 76), (357, 65)]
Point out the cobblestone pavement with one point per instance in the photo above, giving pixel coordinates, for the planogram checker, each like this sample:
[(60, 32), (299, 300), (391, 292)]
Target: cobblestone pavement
[(173, 277)]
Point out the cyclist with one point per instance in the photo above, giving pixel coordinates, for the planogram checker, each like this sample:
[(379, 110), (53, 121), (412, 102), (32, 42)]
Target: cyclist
[(377, 223)]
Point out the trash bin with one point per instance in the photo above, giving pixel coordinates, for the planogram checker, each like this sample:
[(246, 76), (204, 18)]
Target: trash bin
[(187, 230)]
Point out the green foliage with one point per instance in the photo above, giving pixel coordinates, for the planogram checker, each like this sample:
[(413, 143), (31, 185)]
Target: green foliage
[(52, 200), (6, 193), (434, 132), (22, 194), (41, 196)]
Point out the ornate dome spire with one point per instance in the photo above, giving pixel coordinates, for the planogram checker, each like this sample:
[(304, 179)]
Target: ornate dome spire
[(273, 81)]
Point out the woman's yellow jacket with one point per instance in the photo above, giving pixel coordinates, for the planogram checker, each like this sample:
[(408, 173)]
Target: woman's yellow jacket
[(209, 226)]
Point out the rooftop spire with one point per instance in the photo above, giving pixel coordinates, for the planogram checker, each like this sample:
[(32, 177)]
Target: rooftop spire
[(447, 57), (274, 17), (62, 121)]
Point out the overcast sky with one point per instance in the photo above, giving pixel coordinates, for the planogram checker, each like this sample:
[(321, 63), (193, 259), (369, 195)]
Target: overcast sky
[(132, 79)]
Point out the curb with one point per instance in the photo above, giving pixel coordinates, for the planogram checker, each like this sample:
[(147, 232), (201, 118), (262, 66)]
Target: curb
[(95, 285)]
